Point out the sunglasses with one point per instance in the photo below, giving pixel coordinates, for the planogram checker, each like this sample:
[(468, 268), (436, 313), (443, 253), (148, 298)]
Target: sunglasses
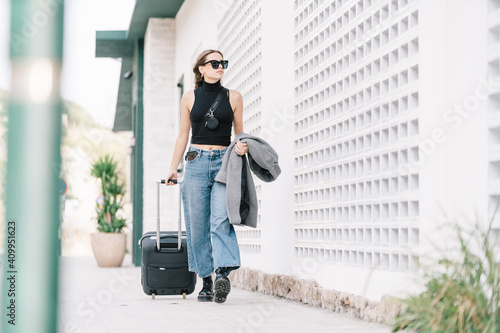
[(215, 64)]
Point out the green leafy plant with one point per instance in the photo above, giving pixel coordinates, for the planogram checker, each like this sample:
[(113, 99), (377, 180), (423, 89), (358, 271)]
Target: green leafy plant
[(105, 170), (462, 294)]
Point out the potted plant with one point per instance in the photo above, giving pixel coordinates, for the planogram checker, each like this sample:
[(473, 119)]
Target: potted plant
[(110, 242)]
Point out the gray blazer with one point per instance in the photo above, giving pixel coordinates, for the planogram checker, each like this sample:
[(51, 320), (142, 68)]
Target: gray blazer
[(241, 199)]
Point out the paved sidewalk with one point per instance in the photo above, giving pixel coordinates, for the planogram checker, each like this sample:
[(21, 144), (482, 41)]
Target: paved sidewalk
[(94, 299)]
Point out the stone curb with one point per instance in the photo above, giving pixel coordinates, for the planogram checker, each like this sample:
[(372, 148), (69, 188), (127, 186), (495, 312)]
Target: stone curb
[(309, 292)]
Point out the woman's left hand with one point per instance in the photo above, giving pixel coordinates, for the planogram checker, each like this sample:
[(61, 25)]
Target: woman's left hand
[(241, 148)]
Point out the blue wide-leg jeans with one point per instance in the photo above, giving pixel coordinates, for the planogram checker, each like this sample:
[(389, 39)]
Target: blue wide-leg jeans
[(211, 239)]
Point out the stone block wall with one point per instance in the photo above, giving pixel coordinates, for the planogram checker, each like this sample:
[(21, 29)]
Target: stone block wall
[(160, 112), (309, 292)]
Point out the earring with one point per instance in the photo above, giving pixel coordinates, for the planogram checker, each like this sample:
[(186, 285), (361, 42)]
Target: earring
[(201, 74)]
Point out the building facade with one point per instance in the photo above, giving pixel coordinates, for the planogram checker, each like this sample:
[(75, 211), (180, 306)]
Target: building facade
[(383, 112)]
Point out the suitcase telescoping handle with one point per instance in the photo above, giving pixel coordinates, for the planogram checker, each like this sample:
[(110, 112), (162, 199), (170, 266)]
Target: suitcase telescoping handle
[(179, 229)]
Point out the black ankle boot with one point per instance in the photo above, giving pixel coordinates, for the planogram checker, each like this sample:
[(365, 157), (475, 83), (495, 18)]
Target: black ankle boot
[(206, 294), (222, 285)]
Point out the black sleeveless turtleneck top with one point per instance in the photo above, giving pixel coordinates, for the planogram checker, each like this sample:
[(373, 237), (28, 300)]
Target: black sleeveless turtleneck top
[(204, 96)]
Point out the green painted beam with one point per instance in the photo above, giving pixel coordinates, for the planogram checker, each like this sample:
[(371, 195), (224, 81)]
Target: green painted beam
[(123, 115), (113, 44), (111, 35), (120, 44), (138, 123), (30, 270), (145, 9)]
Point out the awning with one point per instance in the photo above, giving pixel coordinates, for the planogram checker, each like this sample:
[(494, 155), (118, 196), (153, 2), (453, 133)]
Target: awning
[(120, 44)]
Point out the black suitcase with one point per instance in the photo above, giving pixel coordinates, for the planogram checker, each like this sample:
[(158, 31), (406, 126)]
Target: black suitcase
[(164, 260)]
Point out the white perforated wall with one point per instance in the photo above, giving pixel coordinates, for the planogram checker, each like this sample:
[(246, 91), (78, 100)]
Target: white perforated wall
[(494, 107), (377, 109), (356, 130), (240, 40)]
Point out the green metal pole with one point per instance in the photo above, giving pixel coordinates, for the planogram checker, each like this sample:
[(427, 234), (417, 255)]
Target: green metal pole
[(30, 265)]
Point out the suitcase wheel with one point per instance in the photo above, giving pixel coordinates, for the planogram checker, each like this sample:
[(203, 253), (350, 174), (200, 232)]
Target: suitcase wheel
[(153, 295), (183, 295)]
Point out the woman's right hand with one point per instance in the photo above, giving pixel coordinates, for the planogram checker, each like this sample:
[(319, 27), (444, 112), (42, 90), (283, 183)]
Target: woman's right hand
[(170, 175)]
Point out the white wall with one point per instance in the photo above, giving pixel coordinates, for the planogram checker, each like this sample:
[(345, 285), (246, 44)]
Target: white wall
[(308, 74), (453, 120), (277, 128), (196, 25), (469, 87), (493, 106), (447, 177), (241, 34)]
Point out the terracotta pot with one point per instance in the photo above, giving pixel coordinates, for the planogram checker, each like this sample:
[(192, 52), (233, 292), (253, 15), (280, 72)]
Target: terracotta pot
[(109, 248)]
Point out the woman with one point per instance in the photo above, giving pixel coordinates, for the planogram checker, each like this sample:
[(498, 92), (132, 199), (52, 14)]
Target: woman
[(211, 239)]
